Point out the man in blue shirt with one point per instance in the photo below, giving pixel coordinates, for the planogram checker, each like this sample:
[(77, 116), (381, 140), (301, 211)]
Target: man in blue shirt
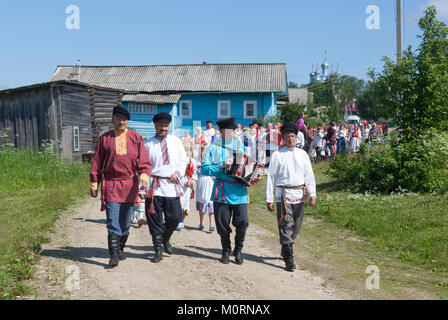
[(229, 197)]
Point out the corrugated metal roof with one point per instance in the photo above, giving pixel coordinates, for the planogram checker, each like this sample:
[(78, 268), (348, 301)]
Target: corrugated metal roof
[(249, 77), (152, 98), (58, 82)]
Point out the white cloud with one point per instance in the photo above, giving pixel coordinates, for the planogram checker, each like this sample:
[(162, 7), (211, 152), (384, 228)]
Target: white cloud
[(442, 7)]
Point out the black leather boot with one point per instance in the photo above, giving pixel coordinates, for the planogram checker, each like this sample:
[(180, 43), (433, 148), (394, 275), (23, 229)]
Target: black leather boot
[(123, 240), (113, 242), (289, 258), (166, 242), (158, 248), (239, 241), (226, 249), (283, 251)]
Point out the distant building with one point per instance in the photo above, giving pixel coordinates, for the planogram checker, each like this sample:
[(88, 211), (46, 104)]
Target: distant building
[(316, 76), (192, 93), (295, 95)]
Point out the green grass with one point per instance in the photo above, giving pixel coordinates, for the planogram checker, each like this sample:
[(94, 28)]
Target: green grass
[(35, 189), (412, 227), (406, 235)]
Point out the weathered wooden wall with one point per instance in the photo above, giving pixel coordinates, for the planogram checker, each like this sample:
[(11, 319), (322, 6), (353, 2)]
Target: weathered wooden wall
[(51, 110), (30, 114), (102, 102)]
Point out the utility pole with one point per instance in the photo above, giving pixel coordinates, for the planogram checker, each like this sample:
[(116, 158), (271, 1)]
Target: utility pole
[(399, 26)]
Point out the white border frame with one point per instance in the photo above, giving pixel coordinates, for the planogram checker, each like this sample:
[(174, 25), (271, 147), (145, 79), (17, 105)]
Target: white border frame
[(254, 102), (219, 109), (190, 103)]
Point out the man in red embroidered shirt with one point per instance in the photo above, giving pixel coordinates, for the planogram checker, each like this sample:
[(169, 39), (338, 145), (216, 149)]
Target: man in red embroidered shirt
[(121, 165)]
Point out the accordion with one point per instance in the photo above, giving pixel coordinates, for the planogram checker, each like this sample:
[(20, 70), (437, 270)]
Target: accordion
[(244, 169)]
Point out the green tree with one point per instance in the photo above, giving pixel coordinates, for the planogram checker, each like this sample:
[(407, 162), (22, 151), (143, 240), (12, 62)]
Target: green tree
[(415, 92), (337, 90), (291, 112), (292, 84), (369, 104)]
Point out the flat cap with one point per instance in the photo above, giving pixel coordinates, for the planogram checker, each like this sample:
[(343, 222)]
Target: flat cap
[(120, 111), (162, 117), (228, 123), (289, 127)]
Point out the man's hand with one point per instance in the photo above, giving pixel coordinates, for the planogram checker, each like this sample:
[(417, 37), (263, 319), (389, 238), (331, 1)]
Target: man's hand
[(228, 163), (173, 178), (189, 182), (93, 193), (312, 201), (257, 179), (270, 206)]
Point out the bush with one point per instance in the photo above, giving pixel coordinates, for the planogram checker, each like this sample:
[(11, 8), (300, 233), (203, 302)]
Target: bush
[(417, 166)]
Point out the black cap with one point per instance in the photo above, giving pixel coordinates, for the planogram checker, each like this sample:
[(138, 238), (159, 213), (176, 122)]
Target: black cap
[(289, 127), (120, 111), (162, 117), (208, 121), (227, 124)]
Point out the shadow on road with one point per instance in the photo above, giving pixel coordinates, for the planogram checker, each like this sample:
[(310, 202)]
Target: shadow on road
[(246, 256), (101, 221), (85, 255)]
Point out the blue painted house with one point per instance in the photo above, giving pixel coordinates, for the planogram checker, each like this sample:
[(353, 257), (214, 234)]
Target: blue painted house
[(192, 94)]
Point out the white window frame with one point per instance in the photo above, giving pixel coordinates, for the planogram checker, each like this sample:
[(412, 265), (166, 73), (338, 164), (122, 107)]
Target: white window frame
[(254, 102), (220, 116), (76, 140), (135, 107), (190, 109)]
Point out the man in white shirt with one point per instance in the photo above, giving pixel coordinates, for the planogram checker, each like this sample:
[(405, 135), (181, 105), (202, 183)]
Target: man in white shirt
[(163, 208), (300, 142), (209, 132), (319, 141), (291, 172)]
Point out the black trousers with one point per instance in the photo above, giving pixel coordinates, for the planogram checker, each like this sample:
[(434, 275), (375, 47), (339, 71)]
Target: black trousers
[(224, 213), (168, 213), (268, 155)]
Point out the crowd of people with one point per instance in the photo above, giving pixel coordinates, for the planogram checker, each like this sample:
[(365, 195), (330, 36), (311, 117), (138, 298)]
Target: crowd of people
[(260, 143)]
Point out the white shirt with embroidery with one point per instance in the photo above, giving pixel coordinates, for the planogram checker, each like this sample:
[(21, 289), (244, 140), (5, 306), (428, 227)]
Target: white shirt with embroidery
[(290, 168), (178, 163)]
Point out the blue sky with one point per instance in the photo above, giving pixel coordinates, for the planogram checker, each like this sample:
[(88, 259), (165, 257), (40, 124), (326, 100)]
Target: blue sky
[(34, 38)]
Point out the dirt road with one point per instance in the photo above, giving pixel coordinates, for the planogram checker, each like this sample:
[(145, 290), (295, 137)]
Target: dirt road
[(193, 272)]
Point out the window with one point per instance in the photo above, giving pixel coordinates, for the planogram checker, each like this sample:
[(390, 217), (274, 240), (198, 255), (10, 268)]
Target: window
[(223, 109), (76, 139), (185, 108), (142, 108), (250, 109)]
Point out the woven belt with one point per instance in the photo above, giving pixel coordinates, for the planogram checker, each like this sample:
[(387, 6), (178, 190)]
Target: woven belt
[(284, 215), (221, 182)]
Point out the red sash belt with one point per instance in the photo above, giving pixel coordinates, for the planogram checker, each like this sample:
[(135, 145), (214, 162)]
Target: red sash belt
[(103, 188), (150, 194), (221, 182)]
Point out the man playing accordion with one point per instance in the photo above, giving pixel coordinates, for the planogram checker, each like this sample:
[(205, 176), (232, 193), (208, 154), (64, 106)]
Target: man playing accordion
[(229, 197)]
